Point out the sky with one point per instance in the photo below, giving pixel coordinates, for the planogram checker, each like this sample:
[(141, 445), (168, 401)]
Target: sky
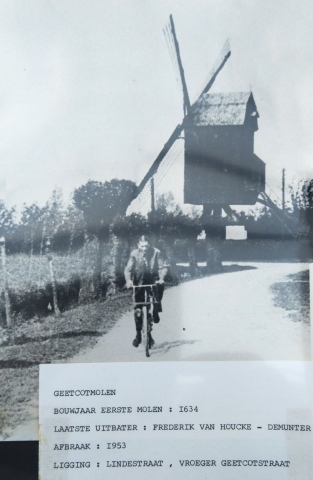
[(88, 90)]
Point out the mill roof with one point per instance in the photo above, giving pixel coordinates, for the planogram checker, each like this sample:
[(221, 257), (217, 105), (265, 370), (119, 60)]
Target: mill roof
[(224, 109)]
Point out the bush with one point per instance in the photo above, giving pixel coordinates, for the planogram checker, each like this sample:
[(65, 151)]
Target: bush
[(39, 301)]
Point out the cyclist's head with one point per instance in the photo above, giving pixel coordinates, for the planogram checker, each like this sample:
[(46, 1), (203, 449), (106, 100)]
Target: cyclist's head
[(143, 243)]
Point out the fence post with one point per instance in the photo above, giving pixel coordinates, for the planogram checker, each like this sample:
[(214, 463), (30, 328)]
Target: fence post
[(54, 289), (5, 282)]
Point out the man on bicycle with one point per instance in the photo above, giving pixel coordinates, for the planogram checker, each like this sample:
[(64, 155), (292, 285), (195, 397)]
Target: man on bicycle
[(146, 266)]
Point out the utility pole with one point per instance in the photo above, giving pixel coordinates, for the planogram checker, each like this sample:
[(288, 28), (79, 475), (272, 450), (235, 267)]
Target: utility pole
[(283, 190)]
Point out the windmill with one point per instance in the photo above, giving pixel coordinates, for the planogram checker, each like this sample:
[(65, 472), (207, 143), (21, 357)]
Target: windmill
[(220, 166), (170, 33)]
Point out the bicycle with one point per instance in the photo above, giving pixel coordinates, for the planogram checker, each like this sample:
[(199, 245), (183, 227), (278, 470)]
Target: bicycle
[(147, 309)]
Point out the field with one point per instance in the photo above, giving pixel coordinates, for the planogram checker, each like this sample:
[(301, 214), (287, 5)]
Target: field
[(32, 271), (36, 334), (29, 281)]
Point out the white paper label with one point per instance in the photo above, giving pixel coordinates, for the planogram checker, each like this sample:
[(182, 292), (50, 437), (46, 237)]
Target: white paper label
[(217, 420)]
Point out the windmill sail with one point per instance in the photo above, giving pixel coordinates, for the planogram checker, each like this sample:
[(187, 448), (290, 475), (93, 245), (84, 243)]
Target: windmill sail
[(154, 167), (217, 67), (173, 47), (180, 67)]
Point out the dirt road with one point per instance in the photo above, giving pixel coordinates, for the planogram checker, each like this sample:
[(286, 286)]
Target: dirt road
[(223, 317)]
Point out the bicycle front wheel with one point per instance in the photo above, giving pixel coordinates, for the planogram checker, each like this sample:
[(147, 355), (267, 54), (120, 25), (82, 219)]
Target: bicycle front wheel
[(145, 328)]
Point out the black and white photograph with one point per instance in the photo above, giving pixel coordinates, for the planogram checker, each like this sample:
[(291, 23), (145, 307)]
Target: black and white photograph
[(156, 191)]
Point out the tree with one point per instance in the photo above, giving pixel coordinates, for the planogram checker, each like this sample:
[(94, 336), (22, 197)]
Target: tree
[(8, 227), (101, 203), (31, 227), (55, 213), (70, 233), (166, 203), (130, 227), (301, 195), (302, 205), (308, 191)]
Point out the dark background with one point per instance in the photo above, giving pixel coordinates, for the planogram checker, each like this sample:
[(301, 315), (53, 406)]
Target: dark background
[(18, 460)]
